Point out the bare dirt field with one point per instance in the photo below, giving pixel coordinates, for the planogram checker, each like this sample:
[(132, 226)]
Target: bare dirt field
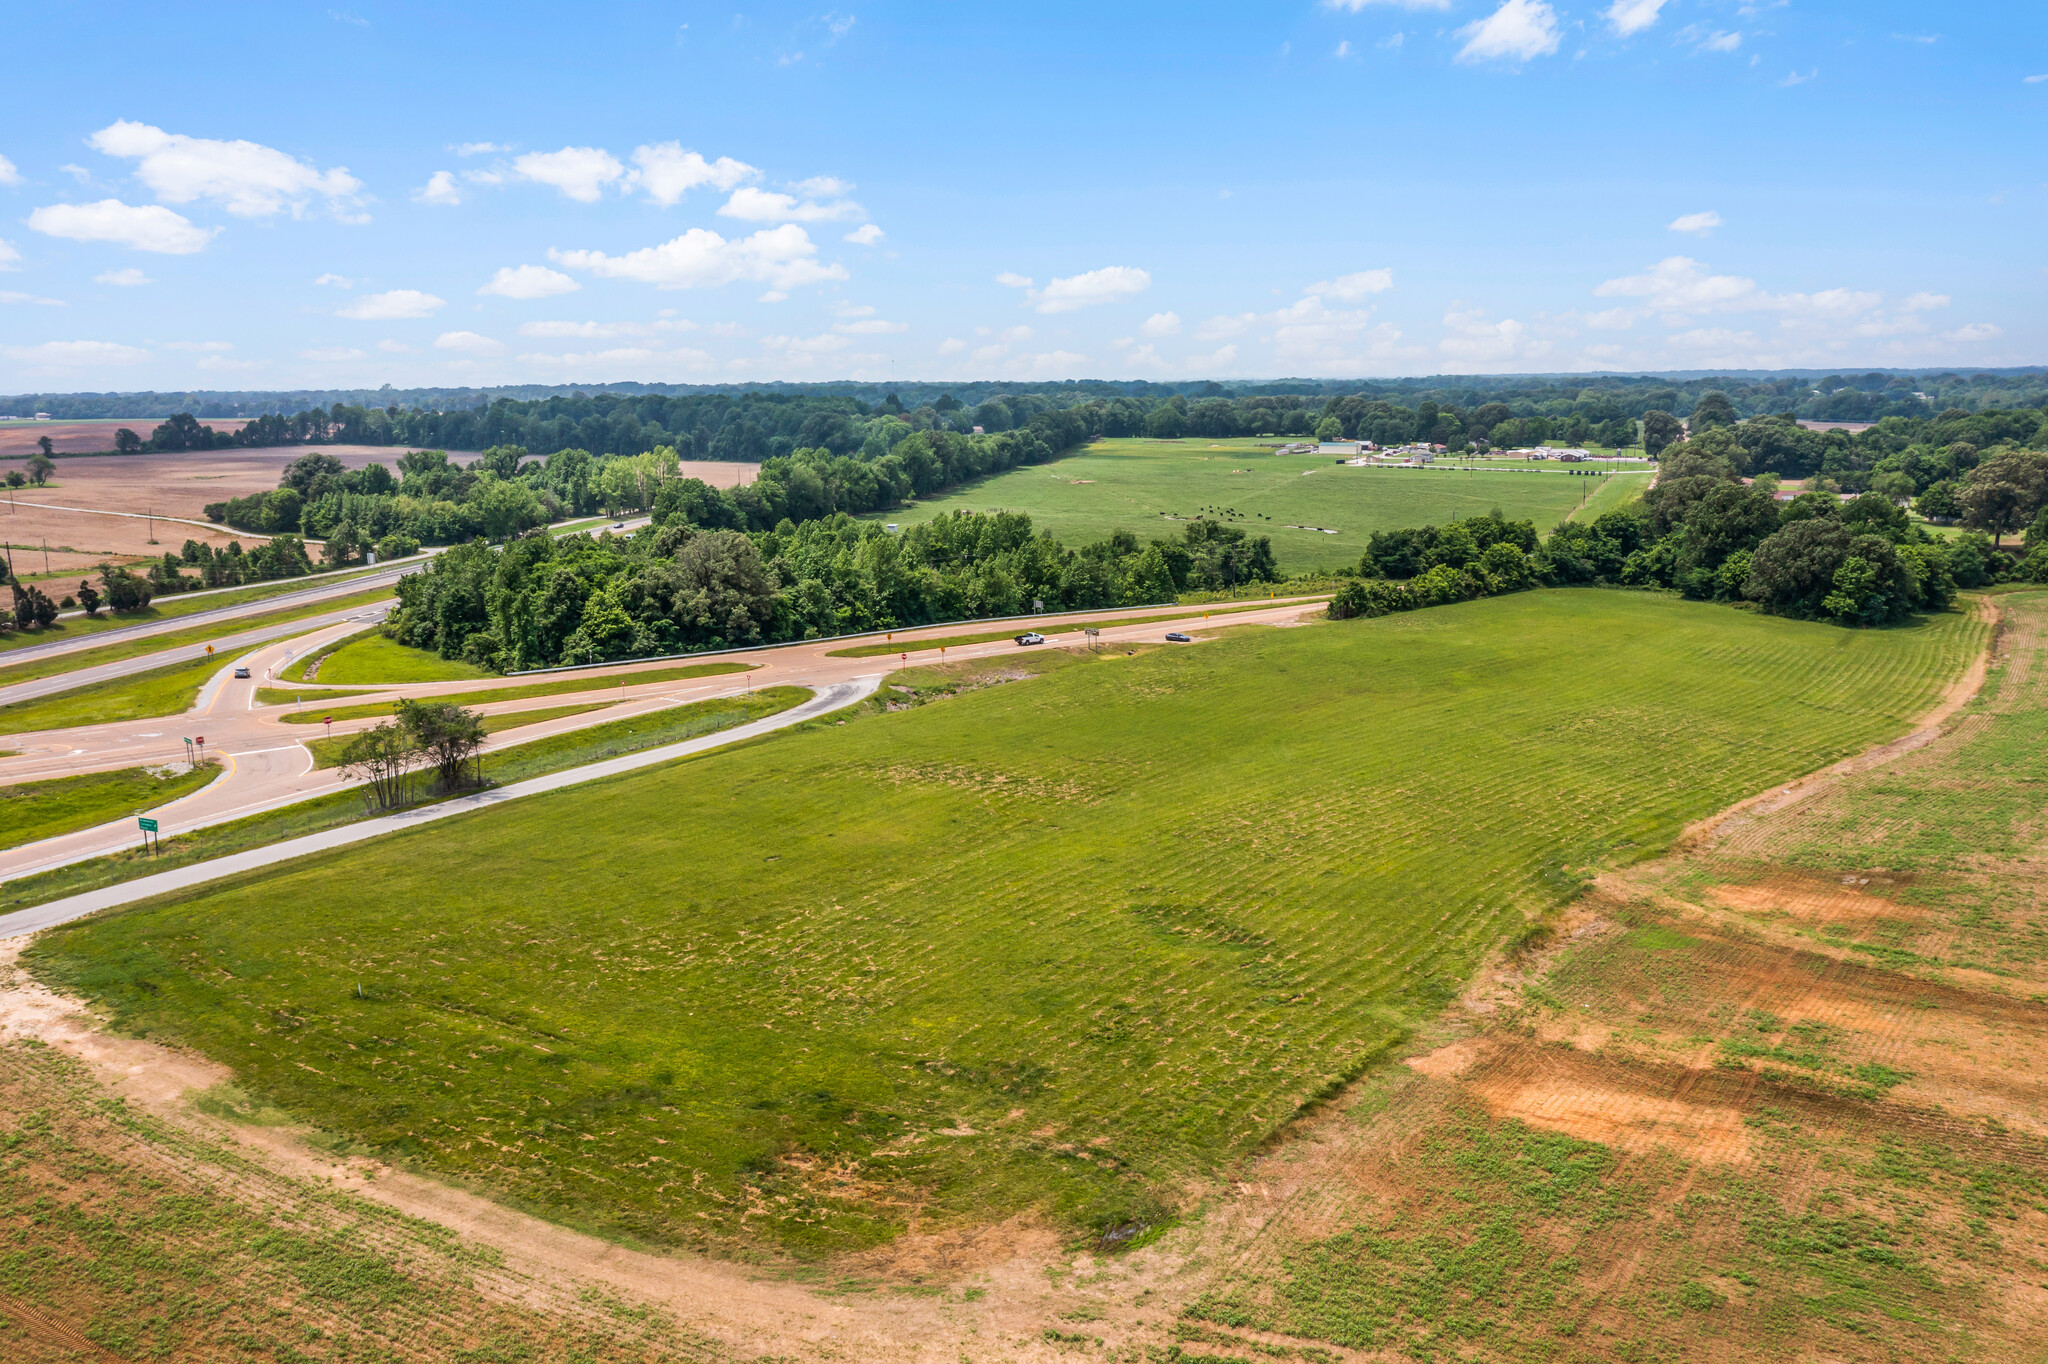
[(71, 512), (19, 441)]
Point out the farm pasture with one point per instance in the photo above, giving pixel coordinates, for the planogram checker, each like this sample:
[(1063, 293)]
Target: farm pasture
[(1318, 511), (1062, 944)]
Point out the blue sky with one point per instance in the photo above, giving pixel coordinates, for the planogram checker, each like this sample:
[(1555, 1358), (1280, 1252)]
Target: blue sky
[(231, 196)]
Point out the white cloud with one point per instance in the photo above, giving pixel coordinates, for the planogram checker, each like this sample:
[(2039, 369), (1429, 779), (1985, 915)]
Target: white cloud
[(1794, 78), (952, 345), (338, 281), (1706, 40), (599, 331), (478, 148), (331, 353), (1679, 284), (581, 173), (469, 343), (1355, 287), (641, 362), (529, 281), (667, 172), (1699, 224), (393, 305), (2034, 80), (765, 206), (1613, 319), (839, 25), (125, 279), (221, 364), (823, 187), (11, 296), (8, 174), (1630, 17), (1920, 303), (1516, 32), (75, 354), (781, 257), (1472, 338), (1343, 49), (1011, 280), (439, 189), (824, 344), (1161, 324), (209, 346), (865, 235), (390, 347), (1391, 40), (145, 227), (1975, 331), (10, 259), (1108, 285), (1355, 6), (873, 326), (249, 179)]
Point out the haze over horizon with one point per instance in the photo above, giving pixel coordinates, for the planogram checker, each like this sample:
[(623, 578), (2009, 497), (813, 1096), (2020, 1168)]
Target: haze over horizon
[(242, 197)]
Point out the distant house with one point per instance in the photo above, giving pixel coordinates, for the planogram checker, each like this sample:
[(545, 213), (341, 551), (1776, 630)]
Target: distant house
[(1340, 447), (1300, 447)]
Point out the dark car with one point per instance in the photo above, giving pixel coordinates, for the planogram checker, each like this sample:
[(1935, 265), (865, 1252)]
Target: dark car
[(241, 672), (1031, 637), (1176, 637)]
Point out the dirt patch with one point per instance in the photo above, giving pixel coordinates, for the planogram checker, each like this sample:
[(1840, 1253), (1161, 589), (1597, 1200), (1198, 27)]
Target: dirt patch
[(1814, 899), (1561, 1090)]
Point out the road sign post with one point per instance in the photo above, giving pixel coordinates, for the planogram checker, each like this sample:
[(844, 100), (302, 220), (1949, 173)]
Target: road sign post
[(149, 834)]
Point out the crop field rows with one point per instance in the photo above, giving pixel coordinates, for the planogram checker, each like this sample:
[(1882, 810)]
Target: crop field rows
[(1779, 1097), (872, 977)]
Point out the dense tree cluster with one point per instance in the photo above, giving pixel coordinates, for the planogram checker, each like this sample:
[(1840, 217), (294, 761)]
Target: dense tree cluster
[(1709, 534), (682, 586)]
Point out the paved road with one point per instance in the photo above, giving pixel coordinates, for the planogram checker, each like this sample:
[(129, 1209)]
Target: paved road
[(267, 766), (283, 601), (223, 645), (831, 697)]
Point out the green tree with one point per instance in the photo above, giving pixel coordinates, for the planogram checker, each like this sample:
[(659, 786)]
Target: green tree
[(127, 442), (89, 598), (46, 445), (40, 467), (1329, 429), (447, 736), (384, 759), (1660, 429), (1713, 409), (2005, 492)]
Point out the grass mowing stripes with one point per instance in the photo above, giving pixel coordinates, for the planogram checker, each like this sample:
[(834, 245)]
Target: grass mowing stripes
[(583, 682), (1135, 485), (1061, 944), (34, 810)]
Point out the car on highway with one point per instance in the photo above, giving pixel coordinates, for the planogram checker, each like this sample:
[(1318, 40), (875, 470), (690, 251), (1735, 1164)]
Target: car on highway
[(618, 525), (1176, 637), (241, 672), (1031, 637)]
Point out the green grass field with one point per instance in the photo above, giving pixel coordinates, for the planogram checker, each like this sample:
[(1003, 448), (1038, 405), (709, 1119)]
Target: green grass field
[(1063, 943), (327, 752), (370, 658), (168, 690), (532, 759), (1137, 485), (1018, 628), (561, 686), (43, 809)]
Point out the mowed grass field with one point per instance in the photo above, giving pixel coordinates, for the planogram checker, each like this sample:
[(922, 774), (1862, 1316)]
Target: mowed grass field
[(372, 658), (1065, 944), (1139, 485)]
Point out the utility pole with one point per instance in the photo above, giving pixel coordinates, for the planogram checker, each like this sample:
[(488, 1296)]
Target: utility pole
[(46, 556)]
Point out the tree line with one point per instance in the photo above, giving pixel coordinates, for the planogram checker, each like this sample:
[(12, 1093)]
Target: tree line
[(1709, 534), (679, 586)]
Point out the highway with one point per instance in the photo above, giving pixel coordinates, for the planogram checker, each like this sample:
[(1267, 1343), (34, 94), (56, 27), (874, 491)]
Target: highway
[(266, 765)]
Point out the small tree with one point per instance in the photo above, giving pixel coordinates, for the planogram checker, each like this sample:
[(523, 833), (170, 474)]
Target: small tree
[(127, 442), (384, 759), (46, 445), (16, 478), (40, 468), (448, 736), (89, 598)]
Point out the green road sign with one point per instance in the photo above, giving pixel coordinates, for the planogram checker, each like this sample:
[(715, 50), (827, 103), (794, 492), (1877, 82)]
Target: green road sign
[(148, 825)]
